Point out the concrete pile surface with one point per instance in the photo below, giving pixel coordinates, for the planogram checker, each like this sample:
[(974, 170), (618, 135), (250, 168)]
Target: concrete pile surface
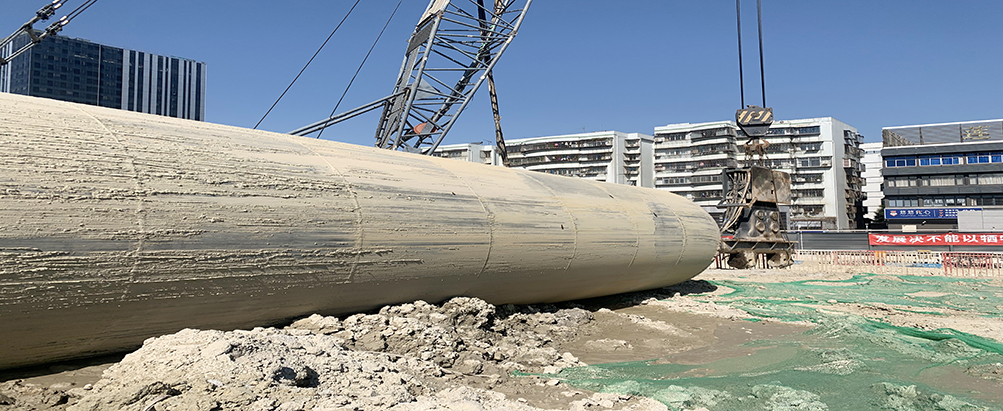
[(121, 226), (417, 356)]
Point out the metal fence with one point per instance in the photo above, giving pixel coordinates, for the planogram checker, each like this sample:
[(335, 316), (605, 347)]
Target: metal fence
[(973, 264), (953, 264)]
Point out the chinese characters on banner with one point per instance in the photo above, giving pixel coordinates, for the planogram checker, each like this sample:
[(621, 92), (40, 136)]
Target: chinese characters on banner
[(936, 239)]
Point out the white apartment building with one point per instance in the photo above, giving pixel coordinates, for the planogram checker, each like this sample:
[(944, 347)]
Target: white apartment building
[(472, 152), (821, 154), (873, 195), (610, 156)]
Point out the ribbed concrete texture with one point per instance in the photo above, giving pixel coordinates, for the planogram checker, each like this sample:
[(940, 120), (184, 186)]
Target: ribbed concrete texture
[(118, 226)]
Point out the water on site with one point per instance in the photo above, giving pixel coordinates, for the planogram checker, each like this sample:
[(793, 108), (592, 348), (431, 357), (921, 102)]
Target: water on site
[(843, 362)]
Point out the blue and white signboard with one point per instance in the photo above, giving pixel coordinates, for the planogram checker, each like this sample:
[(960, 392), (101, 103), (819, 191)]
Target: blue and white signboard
[(927, 213)]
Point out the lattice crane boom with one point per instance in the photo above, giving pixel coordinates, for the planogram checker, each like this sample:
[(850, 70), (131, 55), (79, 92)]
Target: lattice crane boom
[(451, 52), (448, 43)]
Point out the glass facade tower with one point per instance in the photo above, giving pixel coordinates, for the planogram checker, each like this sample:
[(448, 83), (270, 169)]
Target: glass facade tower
[(80, 71)]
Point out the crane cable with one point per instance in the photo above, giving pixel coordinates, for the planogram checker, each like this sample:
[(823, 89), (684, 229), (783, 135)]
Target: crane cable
[(57, 26), (42, 14), (76, 12), (307, 63), (762, 70), (362, 64), (741, 72)]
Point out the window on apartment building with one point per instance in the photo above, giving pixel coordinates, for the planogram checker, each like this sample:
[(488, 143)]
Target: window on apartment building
[(715, 132), (694, 165), (712, 148), (954, 201), (904, 181), (941, 180), (809, 147), (808, 210), (704, 195), (900, 162), (936, 160), (902, 202), (984, 158), (807, 178), (933, 201), (676, 181), (986, 179), (961, 201), (810, 162), (985, 200), (778, 163), (779, 148), (808, 193)]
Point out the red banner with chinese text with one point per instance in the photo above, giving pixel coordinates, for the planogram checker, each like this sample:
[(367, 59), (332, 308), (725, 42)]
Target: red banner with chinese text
[(935, 239)]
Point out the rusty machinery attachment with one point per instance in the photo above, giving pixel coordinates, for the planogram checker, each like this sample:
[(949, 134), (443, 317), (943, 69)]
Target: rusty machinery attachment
[(754, 228)]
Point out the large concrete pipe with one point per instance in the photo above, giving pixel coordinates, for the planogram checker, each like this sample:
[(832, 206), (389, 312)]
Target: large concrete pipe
[(117, 226)]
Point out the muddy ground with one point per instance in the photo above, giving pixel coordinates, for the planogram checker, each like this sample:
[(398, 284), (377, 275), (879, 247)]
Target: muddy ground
[(463, 354)]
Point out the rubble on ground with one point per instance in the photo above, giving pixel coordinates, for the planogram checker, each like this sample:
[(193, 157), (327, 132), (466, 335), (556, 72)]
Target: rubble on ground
[(417, 356)]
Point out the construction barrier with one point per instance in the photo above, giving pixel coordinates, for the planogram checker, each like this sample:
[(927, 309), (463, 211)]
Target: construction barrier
[(952, 264), (969, 264)]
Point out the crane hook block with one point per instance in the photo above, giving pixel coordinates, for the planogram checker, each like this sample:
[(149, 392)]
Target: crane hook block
[(755, 121)]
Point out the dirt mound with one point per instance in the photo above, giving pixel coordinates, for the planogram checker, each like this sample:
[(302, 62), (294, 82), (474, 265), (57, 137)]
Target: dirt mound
[(416, 356), (465, 335)]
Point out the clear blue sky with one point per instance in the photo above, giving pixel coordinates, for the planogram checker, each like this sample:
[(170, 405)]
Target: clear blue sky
[(584, 65)]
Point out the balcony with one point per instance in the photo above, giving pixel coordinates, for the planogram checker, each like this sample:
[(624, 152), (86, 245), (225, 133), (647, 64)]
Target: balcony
[(808, 200)]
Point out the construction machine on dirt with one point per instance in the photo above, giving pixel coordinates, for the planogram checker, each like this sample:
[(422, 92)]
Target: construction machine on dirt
[(754, 231)]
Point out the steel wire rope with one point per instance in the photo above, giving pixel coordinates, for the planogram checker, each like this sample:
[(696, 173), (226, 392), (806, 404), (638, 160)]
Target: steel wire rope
[(307, 64), (58, 24), (76, 12), (762, 69), (362, 64), (762, 65), (43, 14), (741, 74)]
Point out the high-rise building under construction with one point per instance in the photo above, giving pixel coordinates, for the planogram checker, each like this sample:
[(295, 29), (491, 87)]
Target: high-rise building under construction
[(81, 71)]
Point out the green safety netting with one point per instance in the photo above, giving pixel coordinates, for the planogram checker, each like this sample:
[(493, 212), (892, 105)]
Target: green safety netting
[(845, 362)]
